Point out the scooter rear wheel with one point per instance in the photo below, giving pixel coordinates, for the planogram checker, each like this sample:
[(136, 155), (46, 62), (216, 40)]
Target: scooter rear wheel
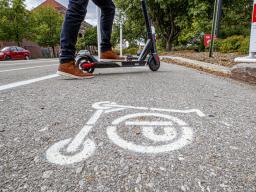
[(80, 63)]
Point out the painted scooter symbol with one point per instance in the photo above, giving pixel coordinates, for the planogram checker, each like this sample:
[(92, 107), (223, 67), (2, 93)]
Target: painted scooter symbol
[(81, 147)]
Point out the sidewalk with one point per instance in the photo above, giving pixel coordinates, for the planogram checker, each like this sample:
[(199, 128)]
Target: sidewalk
[(243, 72)]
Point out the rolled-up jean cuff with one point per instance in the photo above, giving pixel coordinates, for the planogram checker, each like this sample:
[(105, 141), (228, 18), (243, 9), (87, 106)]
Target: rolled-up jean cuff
[(104, 49), (63, 61), (67, 55)]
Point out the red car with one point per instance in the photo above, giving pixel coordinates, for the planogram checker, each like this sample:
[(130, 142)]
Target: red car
[(13, 53)]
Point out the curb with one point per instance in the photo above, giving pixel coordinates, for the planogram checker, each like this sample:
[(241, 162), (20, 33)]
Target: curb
[(244, 72), (199, 65)]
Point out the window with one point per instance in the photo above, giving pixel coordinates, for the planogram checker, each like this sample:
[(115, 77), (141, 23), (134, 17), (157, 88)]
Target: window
[(20, 49), (13, 49), (5, 49)]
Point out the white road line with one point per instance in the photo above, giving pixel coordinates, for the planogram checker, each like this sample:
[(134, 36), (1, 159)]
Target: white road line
[(95, 117), (149, 123), (27, 63), (18, 69), (199, 113), (26, 82), (79, 139)]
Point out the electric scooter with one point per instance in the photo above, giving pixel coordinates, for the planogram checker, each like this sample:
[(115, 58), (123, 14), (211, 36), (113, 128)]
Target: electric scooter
[(148, 56)]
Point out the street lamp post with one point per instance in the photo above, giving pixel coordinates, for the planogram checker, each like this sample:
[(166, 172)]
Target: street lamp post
[(98, 30), (121, 29), (121, 35)]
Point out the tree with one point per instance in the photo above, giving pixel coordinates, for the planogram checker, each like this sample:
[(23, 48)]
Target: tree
[(4, 8), (14, 21), (164, 14), (88, 39), (237, 16), (46, 29), (176, 21), (196, 20), (133, 22)]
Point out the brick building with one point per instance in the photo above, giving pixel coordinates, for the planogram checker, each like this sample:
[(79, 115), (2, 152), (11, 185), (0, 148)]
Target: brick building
[(61, 9), (34, 48), (53, 4)]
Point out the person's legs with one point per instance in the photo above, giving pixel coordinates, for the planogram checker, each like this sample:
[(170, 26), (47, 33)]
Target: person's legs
[(74, 17), (107, 17)]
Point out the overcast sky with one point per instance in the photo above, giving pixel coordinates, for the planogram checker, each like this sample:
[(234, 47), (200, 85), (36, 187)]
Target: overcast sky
[(90, 17)]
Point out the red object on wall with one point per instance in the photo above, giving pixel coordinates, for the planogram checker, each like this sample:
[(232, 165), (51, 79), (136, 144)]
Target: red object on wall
[(254, 14), (207, 39)]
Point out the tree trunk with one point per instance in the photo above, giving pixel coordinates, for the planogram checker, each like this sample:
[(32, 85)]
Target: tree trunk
[(53, 51), (168, 45)]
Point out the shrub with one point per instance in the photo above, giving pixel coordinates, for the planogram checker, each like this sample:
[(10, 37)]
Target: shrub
[(244, 47), (130, 51), (232, 44), (217, 44)]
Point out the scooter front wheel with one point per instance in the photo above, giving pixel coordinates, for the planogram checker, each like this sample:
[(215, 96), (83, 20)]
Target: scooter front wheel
[(154, 62)]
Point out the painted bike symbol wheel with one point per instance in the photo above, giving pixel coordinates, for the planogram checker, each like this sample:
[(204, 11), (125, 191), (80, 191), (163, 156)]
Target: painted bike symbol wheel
[(171, 128), (54, 153)]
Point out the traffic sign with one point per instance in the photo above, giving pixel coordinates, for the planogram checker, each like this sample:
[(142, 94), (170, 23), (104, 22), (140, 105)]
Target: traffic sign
[(253, 31)]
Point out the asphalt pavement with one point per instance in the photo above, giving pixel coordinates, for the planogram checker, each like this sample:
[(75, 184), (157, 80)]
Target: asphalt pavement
[(128, 129)]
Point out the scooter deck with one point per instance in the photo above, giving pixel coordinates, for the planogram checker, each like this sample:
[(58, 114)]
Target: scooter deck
[(111, 60), (126, 59), (119, 63)]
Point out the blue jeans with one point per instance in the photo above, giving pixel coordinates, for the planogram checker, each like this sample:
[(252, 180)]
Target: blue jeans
[(75, 15)]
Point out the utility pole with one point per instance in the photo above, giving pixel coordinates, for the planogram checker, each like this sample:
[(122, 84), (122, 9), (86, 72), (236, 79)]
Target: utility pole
[(213, 27), (219, 18)]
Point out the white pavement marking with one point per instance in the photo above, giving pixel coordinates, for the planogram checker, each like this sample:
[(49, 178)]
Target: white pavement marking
[(54, 153), (18, 69), (177, 141), (198, 112), (169, 134), (26, 82), (182, 141), (112, 107), (136, 115), (176, 132), (78, 140), (54, 156), (95, 117), (149, 123), (11, 63)]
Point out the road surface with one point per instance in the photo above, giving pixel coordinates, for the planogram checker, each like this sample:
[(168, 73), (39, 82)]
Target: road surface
[(127, 129)]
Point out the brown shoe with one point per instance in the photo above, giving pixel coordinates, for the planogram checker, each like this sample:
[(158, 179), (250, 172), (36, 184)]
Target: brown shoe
[(70, 70), (110, 55)]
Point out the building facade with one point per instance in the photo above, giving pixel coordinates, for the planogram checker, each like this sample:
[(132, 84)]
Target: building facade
[(34, 48)]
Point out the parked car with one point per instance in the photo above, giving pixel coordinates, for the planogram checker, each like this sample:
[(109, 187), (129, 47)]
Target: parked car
[(83, 52), (14, 53)]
